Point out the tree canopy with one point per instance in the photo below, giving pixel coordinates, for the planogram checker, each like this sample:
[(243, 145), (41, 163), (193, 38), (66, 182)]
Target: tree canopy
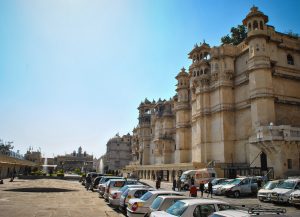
[(238, 34), (5, 147)]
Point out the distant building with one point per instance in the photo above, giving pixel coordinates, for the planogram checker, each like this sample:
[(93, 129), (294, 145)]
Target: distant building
[(118, 152), (75, 161), (34, 156)]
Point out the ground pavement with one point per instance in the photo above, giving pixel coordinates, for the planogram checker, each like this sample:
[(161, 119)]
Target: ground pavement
[(72, 201)]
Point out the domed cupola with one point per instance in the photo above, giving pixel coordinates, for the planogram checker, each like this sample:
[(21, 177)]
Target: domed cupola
[(255, 22)]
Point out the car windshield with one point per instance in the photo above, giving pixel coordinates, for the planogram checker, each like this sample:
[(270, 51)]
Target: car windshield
[(183, 176), (146, 196), (287, 185), (124, 188), (156, 203), (125, 192), (235, 182), (270, 185), (177, 208), (214, 181)]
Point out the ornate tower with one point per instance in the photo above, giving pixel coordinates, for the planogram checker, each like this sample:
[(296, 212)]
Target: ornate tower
[(259, 67), (183, 119), (144, 131)]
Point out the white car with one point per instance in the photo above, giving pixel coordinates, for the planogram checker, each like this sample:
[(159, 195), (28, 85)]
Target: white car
[(217, 189), (215, 181), (193, 207), (164, 202), (241, 186), (281, 194), (140, 207), (131, 193), (114, 196), (265, 192), (295, 198)]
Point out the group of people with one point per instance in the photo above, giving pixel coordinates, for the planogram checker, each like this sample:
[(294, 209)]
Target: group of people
[(192, 187)]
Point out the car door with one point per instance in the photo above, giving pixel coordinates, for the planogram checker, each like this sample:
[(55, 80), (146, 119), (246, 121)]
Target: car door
[(245, 186), (204, 210)]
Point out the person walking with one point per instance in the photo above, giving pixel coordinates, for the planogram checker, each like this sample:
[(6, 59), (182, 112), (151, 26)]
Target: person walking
[(179, 184), (88, 181), (174, 184), (201, 188), (158, 182), (209, 189), (192, 181), (193, 191)]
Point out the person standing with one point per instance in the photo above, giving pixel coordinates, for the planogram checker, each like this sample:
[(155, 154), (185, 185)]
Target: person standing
[(158, 182), (201, 188), (209, 189), (88, 181), (189, 182), (192, 181), (174, 184), (193, 191), (179, 184)]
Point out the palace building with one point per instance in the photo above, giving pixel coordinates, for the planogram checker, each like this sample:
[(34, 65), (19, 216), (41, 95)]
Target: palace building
[(237, 108)]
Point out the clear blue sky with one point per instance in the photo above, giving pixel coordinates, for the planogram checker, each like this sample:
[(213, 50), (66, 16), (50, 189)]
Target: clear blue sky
[(73, 72)]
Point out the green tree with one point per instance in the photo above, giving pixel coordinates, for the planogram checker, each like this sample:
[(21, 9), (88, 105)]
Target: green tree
[(238, 34), (5, 147)]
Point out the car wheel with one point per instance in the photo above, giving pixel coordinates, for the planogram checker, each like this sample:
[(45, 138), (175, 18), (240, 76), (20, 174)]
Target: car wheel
[(186, 187), (236, 194)]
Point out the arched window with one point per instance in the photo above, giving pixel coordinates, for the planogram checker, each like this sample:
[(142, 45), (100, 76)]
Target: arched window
[(290, 59), (201, 56), (255, 25), (261, 25), (194, 73), (249, 26), (198, 73), (206, 71)]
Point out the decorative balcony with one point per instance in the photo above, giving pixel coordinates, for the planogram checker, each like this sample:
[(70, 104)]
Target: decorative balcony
[(275, 133)]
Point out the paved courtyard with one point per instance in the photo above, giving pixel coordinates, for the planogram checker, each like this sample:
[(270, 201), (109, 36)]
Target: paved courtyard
[(62, 198), (74, 201)]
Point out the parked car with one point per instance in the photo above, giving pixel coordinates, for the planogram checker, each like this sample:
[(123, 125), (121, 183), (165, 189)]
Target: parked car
[(114, 196), (215, 181), (193, 207), (241, 186), (102, 183), (295, 198), (131, 193), (164, 202), (264, 193), (141, 206), (217, 189), (96, 181), (116, 184), (282, 193)]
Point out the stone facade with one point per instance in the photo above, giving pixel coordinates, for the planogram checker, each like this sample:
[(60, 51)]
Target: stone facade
[(118, 153), (237, 108)]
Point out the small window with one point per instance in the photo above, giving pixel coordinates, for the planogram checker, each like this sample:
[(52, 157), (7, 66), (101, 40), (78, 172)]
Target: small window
[(289, 163), (255, 25), (249, 26), (290, 59), (204, 210)]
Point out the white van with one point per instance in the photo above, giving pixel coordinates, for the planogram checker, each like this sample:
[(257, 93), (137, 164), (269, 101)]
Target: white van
[(201, 175), (184, 178)]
